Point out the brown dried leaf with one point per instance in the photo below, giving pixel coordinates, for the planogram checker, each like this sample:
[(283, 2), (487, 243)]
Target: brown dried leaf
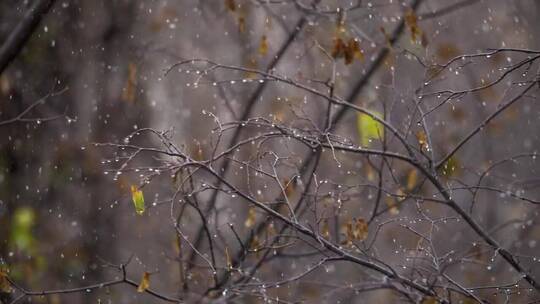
[(338, 49), (411, 20), (458, 114), (129, 91), (241, 24), (424, 40), (447, 51), (162, 19), (230, 5), (289, 187), (360, 231), (348, 228), (357, 51), (5, 286), (352, 50)]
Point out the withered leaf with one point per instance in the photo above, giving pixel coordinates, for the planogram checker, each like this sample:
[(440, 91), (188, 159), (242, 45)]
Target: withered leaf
[(289, 187), (360, 231), (352, 51), (349, 234), (447, 51), (5, 286), (241, 24), (129, 91), (411, 20), (230, 5), (338, 49)]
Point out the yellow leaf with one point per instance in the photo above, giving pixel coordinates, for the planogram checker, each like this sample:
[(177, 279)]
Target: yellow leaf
[(422, 140), (369, 128), (145, 282), (128, 93), (263, 46), (412, 179), (251, 218), (450, 168), (138, 200)]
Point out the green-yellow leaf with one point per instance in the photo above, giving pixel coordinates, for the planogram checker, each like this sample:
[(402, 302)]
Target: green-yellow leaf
[(369, 128), (21, 228), (138, 200), (450, 168)]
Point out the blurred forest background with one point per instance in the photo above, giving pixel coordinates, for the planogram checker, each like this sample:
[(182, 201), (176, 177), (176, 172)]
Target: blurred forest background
[(98, 71)]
